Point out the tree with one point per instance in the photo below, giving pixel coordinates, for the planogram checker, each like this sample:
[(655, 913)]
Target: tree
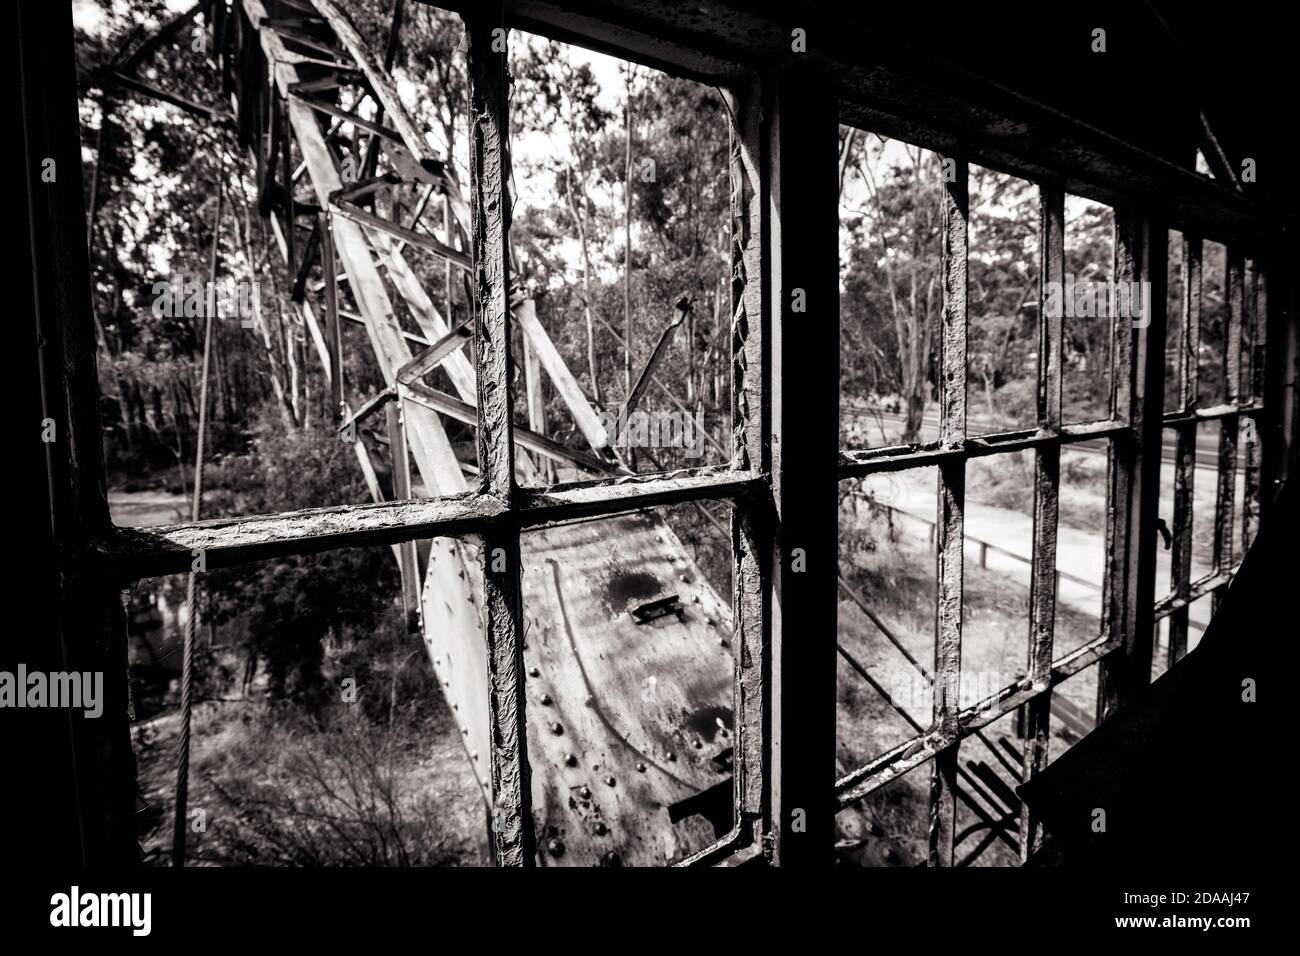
[(553, 92), (893, 278), (1002, 280)]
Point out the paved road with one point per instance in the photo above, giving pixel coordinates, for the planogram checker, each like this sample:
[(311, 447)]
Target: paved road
[(1079, 552)]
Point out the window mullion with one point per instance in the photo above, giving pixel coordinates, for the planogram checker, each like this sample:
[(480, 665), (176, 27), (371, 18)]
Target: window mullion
[(1225, 499), (1047, 467), (512, 825), (952, 502), (1189, 338)]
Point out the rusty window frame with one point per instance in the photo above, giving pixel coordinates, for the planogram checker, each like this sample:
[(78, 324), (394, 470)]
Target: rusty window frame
[(1244, 340), (1122, 652), (500, 511)]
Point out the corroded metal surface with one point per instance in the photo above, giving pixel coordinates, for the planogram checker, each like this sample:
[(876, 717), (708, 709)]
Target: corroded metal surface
[(626, 719), (949, 544)]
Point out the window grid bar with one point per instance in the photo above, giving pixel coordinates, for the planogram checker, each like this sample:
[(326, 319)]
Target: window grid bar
[(1253, 353), (952, 494), (129, 554), (856, 463), (1047, 469), (1225, 498), (750, 429), (750, 571), (514, 842), (1170, 604), (1121, 465), (911, 753), (1189, 348), (1135, 464)]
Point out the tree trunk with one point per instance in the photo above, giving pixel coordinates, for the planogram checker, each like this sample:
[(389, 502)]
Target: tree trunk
[(593, 368)]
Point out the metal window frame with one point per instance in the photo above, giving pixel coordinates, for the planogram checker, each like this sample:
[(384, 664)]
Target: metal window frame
[(781, 422), (1244, 339), (1122, 653)]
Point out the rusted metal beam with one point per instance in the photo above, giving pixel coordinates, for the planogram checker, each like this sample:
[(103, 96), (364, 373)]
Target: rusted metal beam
[(407, 559), (405, 130), (1234, 294), (333, 327), (950, 789), (433, 356), (365, 187), (949, 543), (155, 40), (1047, 482), (1210, 414), (412, 338), (857, 463), (1141, 255), (360, 122), (584, 415), (280, 104), (514, 841), (739, 322), (266, 164), (445, 404), (912, 753), (1255, 330), (631, 493), (330, 81), (751, 518), (1207, 584), (409, 236), (428, 442), (290, 29), (656, 357), (129, 553), (1189, 337), (533, 401)]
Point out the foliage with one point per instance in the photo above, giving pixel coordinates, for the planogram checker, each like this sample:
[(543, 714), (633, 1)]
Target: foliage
[(284, 609), (339, 795)]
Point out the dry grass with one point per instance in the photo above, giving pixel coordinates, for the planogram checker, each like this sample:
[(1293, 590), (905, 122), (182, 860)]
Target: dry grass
[(273, 786), (896, 579)]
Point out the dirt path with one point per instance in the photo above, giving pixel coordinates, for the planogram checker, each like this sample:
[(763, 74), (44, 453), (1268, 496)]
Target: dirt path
[(1080, 553), (146, 509)]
